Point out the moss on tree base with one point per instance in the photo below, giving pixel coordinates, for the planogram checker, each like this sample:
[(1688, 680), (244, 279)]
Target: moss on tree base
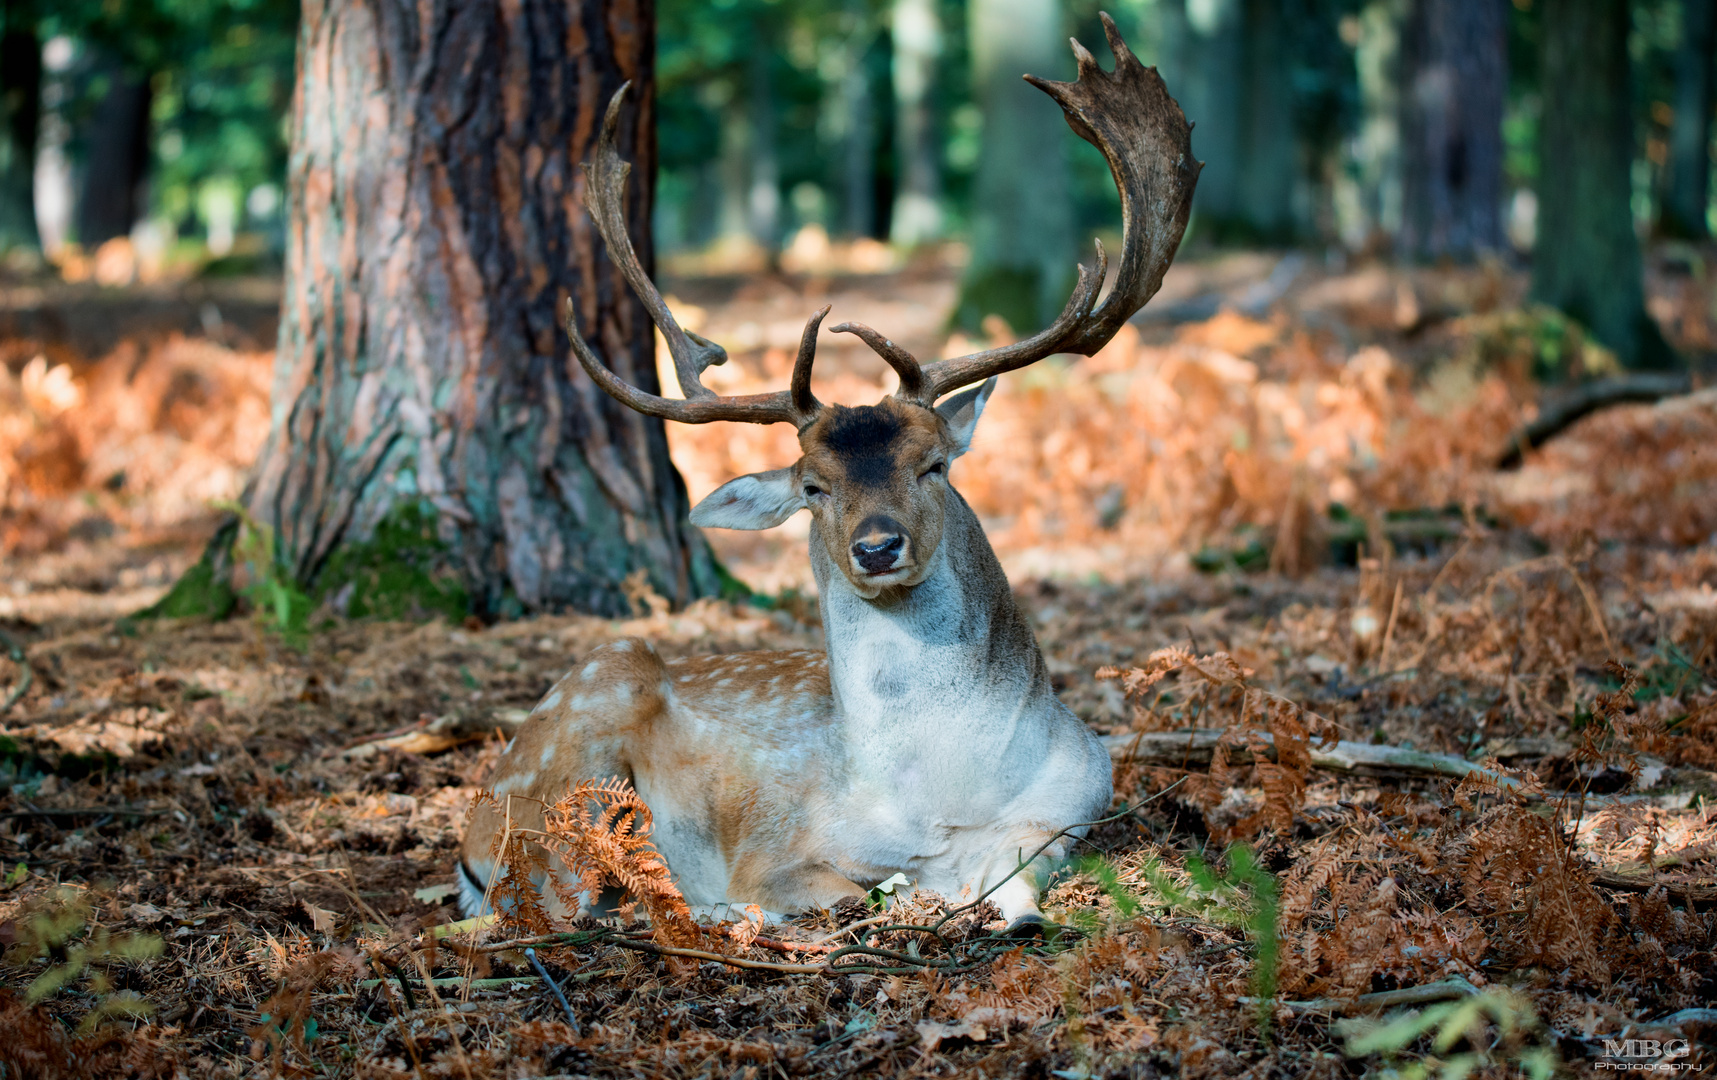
[(205, 591), (401, 572)]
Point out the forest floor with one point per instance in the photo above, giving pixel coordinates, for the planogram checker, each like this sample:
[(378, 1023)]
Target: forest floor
[(1271, 507)]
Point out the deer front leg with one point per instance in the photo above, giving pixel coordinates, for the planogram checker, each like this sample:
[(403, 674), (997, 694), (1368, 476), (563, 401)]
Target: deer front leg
[(1018, 895), (802, 882)]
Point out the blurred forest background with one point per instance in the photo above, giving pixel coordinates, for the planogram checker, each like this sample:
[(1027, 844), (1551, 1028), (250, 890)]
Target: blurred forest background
[(1509, 198), (147, 139)]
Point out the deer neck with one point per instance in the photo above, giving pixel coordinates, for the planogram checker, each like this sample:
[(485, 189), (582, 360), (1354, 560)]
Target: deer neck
[(947, 659)]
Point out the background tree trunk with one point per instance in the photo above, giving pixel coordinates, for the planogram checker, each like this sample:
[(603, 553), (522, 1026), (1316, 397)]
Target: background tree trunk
[(1454, 80), (20, 116), (763, 203), (1689, 190), (436, 227), (116, 156), (1227, 61), (1023, 250), (917, 215), (858, 142), (1587, 258)]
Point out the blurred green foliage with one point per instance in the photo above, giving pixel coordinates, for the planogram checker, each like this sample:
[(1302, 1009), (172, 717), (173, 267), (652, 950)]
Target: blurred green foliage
[(790, 96), (220, 74)]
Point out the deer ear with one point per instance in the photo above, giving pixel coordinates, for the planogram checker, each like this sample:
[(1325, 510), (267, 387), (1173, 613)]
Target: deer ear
[(757, 501), (962, 411)]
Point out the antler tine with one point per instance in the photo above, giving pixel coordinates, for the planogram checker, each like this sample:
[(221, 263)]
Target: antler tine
[(1142, 132), (605, 198), (776, 408), (945, 375), (801, 385), (904, 363)]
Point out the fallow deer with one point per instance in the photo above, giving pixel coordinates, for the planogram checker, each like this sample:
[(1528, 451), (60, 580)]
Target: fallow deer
[(928, 740)]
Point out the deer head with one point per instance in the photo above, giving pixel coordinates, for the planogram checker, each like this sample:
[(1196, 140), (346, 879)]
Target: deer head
[(875, 477)]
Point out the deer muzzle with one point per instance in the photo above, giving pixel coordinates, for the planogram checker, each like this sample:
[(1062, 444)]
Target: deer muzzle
[(880, 545)]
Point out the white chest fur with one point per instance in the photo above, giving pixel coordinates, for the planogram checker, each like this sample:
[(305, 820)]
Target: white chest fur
[(956, 745)]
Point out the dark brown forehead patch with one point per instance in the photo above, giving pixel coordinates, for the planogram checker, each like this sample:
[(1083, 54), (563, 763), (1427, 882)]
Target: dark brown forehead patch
[(865, 439)]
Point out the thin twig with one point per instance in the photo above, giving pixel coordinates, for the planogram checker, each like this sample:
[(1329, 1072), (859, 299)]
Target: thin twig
[(554, 987), (860, 925), (719, 958), (15, 652), (444, 1015), (1389, 631), (777, 945)]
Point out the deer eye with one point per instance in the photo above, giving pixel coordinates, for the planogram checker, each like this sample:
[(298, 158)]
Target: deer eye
[(812, 491), (935, 470)]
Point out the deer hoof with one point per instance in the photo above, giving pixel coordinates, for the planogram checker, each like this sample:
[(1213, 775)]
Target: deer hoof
[(1028, 926)]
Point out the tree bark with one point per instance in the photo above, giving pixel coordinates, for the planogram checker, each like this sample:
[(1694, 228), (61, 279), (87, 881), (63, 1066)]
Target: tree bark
[(436, 228), (1023, 250), (117, 157), (1455, 78), (1587, 258), (20, 119), (917, 215), (1689, 190)]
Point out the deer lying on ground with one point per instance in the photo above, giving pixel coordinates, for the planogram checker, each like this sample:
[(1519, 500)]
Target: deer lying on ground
[(927, 741)]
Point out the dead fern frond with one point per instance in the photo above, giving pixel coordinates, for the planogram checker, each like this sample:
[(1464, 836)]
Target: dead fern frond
[(601, 833), (1518, 869), (1291, 726)]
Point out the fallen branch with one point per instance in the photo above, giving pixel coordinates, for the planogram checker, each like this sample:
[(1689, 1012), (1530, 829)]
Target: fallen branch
[(1447, 990), (82, 811), (460, 982), (1686, 1016), (432, 735), (1195, 747), (1559, 413), (1684, 891)]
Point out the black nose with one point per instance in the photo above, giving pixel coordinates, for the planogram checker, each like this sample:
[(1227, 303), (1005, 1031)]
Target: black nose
[(877, 544)]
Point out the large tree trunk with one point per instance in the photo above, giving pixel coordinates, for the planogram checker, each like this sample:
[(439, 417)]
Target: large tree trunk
[(1587, 258), (20, 116), (1455, 77), (117, 155), (1229, 61), (917, 215), (1688, 192), (437, 228), (1023, 249)]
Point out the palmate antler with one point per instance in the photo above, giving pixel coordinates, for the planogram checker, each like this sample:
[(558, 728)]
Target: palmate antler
[(1127, 114)]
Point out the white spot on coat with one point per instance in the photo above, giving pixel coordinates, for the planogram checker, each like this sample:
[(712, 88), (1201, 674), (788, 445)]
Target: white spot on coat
[(515, 782)]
